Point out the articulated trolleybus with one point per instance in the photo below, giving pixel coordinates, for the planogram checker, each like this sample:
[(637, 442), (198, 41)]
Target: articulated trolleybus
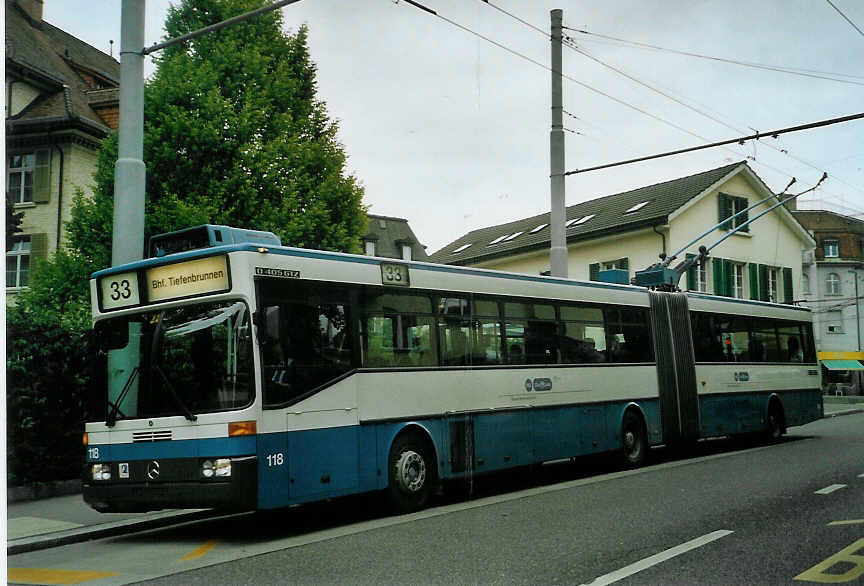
[(247, 375)]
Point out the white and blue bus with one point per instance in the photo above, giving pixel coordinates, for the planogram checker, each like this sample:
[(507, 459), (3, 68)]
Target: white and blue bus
[(247, 375)]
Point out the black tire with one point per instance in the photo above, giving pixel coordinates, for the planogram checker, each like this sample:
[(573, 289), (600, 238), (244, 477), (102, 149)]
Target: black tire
[(774, 427), (411, 473), (634, 441)]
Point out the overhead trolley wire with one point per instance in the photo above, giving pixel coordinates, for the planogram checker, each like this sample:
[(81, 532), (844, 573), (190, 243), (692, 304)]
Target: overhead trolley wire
[(611, 97), (570, 43), (740, 139), (789, 70), (840, 12)]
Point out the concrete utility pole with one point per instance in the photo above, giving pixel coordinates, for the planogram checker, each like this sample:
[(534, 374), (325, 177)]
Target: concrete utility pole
[(127, 243), (558, 243)]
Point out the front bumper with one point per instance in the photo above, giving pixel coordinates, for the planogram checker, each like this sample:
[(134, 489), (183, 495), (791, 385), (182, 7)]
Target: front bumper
[(179, 486)]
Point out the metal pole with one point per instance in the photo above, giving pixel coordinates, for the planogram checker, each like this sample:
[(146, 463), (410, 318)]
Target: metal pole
[(558, 242), (127, 242)]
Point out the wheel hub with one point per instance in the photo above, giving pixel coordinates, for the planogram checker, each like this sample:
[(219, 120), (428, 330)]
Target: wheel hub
[(410, 471)]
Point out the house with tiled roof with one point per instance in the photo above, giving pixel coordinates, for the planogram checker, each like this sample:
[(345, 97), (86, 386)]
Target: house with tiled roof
[(62, 98), (392, 238), (628, 231)]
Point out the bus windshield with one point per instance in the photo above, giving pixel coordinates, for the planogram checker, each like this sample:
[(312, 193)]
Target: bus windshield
[(179, 361)]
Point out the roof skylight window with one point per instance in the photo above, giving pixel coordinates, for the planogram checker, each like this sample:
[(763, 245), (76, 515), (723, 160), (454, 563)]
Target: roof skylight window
[(512, 236), (581, 220), (571, 222), (637, 207), (538, 228), (499, 239), (463, 247)]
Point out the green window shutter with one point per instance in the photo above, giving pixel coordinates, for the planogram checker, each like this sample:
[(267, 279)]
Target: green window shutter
[(717, 265), (38, 246), (42, 177), (624, 263), (594, 271), (742, 205), (787, 286), (724, 209), (763, 283), (754, 281), (728, 285), (691, 275)]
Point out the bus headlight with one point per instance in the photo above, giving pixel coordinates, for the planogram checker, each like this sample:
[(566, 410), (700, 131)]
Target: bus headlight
[(221, 467), (101, 472)]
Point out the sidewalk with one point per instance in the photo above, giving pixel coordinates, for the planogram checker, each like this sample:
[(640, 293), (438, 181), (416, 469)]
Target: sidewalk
[(841, 405), (61, 520)]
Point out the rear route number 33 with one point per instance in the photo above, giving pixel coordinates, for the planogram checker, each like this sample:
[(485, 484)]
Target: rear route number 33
[(394, 274)]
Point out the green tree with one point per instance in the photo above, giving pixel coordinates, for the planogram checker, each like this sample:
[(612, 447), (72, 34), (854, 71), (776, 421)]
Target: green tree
[(234, 134)]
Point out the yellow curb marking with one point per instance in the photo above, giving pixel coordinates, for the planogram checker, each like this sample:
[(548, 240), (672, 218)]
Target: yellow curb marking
[(848, 556), (849, 522), (197, 553), (46, 576)]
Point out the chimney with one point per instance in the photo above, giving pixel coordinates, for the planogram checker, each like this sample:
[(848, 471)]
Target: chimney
[(33, 9)]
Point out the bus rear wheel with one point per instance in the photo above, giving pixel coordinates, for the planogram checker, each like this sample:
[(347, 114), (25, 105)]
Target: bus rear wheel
[(634, 441), (411, 474)]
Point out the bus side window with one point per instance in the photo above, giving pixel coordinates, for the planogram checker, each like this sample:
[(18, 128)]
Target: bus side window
[(454, 331)]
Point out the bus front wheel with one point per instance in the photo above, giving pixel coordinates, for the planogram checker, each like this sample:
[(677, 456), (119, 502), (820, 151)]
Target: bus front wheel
[(634, 441), (412, 474)]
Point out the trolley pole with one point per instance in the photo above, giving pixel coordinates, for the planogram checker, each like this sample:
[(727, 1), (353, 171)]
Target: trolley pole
[(558, 240)]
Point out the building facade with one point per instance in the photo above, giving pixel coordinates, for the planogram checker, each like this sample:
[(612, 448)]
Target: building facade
[(833, 284), (392, 238), (61, 102), (628, 231)]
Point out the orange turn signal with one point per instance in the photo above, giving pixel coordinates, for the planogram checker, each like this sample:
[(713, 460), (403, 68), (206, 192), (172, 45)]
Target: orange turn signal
[(85, 439), (241, 428)]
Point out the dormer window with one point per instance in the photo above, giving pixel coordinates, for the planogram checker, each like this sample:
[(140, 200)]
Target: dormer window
[(831, 247), (512, 236), (637, 207), (580, 221)]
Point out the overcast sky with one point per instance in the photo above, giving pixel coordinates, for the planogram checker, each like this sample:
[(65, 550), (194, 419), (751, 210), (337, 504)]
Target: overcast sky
[(452, 132)]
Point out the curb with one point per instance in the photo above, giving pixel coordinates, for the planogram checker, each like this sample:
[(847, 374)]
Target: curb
[(846, 412), (41, 490), (88, 533)]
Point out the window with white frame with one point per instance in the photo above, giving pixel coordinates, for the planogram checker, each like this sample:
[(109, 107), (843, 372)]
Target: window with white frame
[(369, 247), (738, 280), (18, 263), (772, 284), (19, 177), (831, 247), (832, 284), (406, 252)]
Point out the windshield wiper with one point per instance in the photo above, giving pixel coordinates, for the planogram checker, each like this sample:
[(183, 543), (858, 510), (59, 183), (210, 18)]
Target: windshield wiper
[(115, 407), (186, 412)]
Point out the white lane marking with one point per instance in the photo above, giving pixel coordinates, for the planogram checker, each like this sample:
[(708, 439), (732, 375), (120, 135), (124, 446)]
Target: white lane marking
[(657, 558), (830, 489)]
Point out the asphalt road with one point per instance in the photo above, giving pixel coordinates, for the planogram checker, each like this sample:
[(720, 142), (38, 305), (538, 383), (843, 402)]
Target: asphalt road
[(727, 513)]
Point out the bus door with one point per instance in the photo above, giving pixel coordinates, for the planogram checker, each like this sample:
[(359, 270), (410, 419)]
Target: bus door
[(676, 373)]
